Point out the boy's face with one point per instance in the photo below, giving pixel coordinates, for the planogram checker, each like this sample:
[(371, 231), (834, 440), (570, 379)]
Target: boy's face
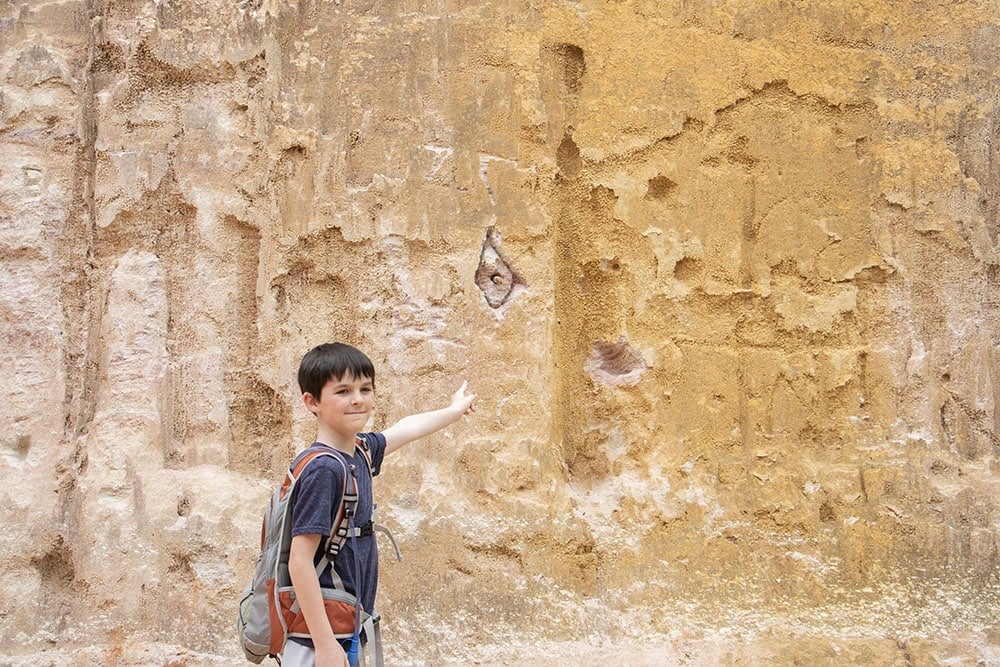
[(345, 404)]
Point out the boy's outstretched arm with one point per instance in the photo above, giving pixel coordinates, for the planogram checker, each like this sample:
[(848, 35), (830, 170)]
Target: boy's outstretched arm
[(416, 426)]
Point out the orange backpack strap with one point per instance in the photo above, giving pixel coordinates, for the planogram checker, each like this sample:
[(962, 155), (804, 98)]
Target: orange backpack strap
[(296, 472)]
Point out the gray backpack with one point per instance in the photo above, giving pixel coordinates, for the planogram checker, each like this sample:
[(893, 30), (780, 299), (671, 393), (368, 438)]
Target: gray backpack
[(268, 611)]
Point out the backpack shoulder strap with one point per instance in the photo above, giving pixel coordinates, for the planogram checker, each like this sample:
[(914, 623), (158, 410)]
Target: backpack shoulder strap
[(361, 443), (345, 512), (340, 527), (293, 473), (348, 501)]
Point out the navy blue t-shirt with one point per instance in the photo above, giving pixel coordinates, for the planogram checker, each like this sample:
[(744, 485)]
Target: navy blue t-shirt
[(315, 502)]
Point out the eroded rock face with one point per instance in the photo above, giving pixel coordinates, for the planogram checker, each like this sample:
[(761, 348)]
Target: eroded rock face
[(724, 278)]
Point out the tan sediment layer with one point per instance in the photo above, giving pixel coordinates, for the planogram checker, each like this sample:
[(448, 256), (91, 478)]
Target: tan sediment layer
[(724, 276)]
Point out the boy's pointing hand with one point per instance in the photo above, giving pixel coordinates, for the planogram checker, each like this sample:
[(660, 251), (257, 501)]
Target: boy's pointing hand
[(462, 402), (416, 426)]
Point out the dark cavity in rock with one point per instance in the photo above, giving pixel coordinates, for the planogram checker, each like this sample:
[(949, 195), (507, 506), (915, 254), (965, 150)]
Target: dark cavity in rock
[(615, 363), (494, 276)]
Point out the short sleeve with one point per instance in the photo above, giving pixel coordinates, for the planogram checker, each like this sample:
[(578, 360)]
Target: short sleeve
[(317, 492), (376, 449)]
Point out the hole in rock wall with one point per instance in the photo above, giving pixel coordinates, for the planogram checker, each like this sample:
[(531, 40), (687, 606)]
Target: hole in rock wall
[(495, 277), (568, 158), (58, 581), (574, 66), (55, 567), (22, 445), (660, 187), (184, 505), (687, 268), (739, 152), (615, 363)]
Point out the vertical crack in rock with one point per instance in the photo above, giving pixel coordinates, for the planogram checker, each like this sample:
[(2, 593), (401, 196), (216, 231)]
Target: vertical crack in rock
[(948, 427), (495, 277), (258, 412), (566, 66), (992, 186), (77, 256), (573, 66), (976, 144), (255, 411), (73, 259), (615, 363), (750, 233)]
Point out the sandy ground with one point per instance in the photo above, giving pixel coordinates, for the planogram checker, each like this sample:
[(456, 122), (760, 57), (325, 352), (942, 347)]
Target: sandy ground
[(774, 648)]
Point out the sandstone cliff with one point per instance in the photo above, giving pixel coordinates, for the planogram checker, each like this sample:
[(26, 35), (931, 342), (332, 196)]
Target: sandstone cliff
[(724, 275)]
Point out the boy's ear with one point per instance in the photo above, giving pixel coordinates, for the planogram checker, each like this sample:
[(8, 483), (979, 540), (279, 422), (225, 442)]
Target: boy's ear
[(310, 401)]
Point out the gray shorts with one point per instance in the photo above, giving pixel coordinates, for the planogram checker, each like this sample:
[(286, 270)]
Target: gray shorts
[(297, 655)]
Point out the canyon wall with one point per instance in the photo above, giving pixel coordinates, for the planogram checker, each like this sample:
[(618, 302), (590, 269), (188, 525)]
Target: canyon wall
[(724, 276)]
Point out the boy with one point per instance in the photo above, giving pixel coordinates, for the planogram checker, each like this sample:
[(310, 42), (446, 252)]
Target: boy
[(338, 386)]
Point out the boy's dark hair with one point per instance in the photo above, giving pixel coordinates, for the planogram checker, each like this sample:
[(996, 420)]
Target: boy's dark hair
[(332, 360)]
